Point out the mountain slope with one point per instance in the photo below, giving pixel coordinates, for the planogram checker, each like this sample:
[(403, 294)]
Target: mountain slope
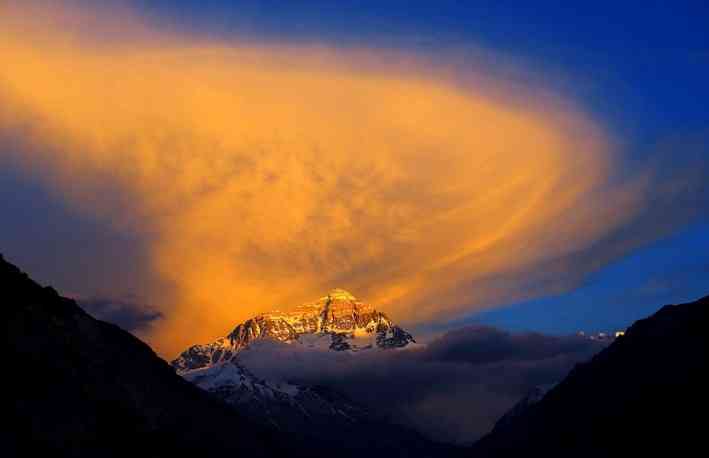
[(80, 387), (638, 396), (316, 414), (285, 406), (532, 397), (337, 321)]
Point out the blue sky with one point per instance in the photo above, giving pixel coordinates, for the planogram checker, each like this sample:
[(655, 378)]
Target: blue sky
[(670, 271)]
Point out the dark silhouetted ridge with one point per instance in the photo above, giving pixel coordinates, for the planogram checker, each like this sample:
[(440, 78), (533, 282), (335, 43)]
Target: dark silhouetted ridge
[(644, 395), (80, 387)]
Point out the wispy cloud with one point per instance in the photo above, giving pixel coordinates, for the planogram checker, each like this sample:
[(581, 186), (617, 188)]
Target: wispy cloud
[(262, 175)]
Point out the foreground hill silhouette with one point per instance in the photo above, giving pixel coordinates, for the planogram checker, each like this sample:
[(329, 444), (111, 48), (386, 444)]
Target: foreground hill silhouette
[(81, 387), (77, 386), (645, 394)]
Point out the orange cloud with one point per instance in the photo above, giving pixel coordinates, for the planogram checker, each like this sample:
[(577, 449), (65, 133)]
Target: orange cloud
[(264, 175)]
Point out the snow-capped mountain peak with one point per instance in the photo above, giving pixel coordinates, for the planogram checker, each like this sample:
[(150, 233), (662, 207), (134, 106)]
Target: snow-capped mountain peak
[(337, 321)]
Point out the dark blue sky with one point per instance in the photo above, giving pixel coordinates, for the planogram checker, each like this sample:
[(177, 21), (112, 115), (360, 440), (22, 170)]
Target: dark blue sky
[(641, 68)]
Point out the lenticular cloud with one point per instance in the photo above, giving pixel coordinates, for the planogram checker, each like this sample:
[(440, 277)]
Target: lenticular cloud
[(263, 175)]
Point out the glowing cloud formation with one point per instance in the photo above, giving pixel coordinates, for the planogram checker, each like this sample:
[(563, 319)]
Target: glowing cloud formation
[(265, 175)]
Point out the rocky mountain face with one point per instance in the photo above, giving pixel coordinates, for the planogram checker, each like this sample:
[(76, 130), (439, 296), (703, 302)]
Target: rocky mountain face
[(80, 387), (286, 406), (314, 414), (337, 321), (637, 397)]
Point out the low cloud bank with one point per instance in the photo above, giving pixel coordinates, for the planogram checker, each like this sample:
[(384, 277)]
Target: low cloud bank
[(129, 314), (452, 390)]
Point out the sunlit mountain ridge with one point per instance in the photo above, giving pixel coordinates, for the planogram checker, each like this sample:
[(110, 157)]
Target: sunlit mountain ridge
[(337, 321)]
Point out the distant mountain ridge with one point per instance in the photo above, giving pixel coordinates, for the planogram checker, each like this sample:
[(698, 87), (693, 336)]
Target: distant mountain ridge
[(337, 321)]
